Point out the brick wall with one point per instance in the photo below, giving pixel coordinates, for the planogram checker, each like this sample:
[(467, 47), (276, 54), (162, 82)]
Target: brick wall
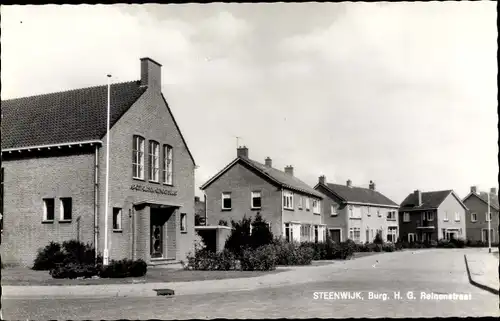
[(27, 182), (474, 229)]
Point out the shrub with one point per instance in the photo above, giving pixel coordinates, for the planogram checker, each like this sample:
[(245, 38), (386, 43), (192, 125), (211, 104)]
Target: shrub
[(458, 242), (378, 238), (223, 223), (399, 246), (208, 261), (260, 259), (291, 253), (123, 268), (239, 239), (261, 234), (388, 247), (49, 257), (74, 270), (443, 243), (345, 250), (198, 243)]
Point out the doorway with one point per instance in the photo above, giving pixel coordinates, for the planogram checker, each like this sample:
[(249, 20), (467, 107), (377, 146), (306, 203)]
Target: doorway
[(159, 233), (335, 235)]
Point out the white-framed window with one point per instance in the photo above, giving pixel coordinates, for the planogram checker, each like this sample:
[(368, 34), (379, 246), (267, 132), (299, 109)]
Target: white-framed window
[(66, 207), (288, 232), (457, 216), (288, 200), (412, 237), (485, 235), (445, 216), (488, 217), (48, 209), (351, 211), (308, 205), (430, 216), (355, 234), (368, 211), (473, 217), (300, 202), (305, 232), (183, 222), (117, 219), (391, 215), (256, 200), (168, 161), (316, 207), (406, 217), (392, 233), (138, 157), (226, 201), (154, 161), (334, 210)]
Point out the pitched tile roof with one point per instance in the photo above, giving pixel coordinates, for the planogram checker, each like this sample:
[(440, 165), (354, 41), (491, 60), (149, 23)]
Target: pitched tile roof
[(483, 196), (284, 179), (64, 117), (355, 194), (275, 175), (429, 200)]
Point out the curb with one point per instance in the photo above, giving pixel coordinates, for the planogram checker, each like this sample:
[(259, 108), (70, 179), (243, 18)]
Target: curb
[(479, 285)]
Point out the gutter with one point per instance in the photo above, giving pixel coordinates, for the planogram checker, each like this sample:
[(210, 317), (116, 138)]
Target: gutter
[(49, 146), (96, 197)]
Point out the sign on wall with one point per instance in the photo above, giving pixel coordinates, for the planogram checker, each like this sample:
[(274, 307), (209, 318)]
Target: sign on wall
[(156, 190)]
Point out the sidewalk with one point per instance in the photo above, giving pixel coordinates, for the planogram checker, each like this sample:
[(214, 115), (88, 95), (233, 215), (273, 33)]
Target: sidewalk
[(483, 269), (295, 275)]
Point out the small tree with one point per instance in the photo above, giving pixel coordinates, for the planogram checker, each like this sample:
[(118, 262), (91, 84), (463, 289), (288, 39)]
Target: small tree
[(261, 233), (378, 238), (239, 237), (223, 222)]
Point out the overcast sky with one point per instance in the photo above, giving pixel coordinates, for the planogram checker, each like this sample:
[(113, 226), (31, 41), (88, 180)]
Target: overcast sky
[(404, 94)]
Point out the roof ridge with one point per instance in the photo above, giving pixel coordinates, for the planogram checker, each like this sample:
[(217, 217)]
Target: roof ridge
[(69, 90)]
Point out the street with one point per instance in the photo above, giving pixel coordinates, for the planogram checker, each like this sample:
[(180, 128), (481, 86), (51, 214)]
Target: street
[(428, 271)]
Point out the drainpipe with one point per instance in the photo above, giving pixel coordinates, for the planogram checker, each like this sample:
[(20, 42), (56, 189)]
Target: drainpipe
[(96, 202), (282, 219), (131, 215), (206, 210)]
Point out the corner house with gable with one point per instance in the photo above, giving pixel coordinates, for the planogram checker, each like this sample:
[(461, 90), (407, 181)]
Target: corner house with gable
[(431, 216), (357, 213), (54, 172), (479, 218), (246, 187)]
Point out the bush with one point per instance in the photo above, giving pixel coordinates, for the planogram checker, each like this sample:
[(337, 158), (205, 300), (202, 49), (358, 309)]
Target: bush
[(74, 270), (443, 243), (72, 251), (388, 247), (223, 223), (198, 242), (345, 250), (261, 234), (239, 239), (49, 257), (260, 259), (291, 253), (208, 261), (378, 238), (123, 268), (459, 242)]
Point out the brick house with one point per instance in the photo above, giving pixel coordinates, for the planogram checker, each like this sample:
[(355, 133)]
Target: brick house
[(54, 172), (432, 216), (357, 213), (476, 222), (247, 187)]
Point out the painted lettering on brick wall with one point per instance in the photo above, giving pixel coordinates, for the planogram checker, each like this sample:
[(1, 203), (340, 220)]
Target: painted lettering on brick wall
[(149, 189)]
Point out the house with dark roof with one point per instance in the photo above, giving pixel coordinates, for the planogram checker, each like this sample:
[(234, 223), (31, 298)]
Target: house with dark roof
[(431, 216), (357, 213), (247, 187), (476, 222), (54, 172)]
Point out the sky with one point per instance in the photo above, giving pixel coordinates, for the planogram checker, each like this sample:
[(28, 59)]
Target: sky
[(404, 94)]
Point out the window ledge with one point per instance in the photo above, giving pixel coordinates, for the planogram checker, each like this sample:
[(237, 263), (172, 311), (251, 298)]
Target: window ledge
[(48, 222), (154, 182), (117, 231), (333, 215), (445, 220), (184, 232), (355, 218), (167, 184), (317, 213), (256, 208), (226, 209), (65, 221), (288, 209)]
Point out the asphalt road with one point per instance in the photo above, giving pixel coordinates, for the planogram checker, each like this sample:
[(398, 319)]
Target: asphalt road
[(438, 271)]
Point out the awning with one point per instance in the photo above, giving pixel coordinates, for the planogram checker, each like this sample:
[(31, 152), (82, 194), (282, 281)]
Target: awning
[(156, 204)]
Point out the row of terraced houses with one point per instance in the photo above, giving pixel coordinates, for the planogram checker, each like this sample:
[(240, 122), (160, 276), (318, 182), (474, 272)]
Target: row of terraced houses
[(54, 171), (300, 212)]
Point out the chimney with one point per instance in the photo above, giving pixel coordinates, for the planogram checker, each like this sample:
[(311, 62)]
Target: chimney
[(322, 179), (269, 162), (242, 151), (473, 189), (289, 170), (150, 74), (493, 191), (349, 183), (372, 185), (418, 196)]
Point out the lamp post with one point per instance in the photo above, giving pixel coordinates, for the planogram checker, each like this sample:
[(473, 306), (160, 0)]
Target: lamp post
[(489, 225), (106, 208)]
